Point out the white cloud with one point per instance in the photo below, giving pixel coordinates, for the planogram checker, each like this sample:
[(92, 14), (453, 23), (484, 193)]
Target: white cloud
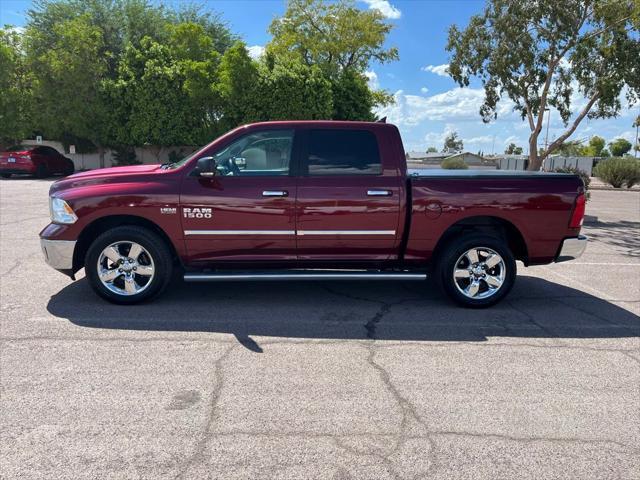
[(424, 90), (18, 30), (481, 140), (435, 139), (373, 79), (256, 51), (512, 139), (385, 8), (440, 70), (454, 105), (628, 135)]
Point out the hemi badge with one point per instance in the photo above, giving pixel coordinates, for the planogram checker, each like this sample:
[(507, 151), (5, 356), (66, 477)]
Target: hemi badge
[(168, 210)]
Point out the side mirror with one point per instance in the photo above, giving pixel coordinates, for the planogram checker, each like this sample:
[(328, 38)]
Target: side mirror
[(206, 167)]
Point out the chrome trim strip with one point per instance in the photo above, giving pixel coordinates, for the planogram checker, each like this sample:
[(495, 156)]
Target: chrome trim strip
[(58, 253), (290, 232), (572, 248), (379, 193), (346, 232), (239, 232), (275, 193), (242, 277)]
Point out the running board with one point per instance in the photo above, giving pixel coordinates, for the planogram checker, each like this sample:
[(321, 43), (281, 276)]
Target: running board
[(242, 276)]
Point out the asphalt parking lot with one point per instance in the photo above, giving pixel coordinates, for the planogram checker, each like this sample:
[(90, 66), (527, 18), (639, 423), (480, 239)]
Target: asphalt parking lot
[(322, 380)]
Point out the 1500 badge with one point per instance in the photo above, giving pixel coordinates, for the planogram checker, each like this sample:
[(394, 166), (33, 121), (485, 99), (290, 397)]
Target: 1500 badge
[(196, 212)]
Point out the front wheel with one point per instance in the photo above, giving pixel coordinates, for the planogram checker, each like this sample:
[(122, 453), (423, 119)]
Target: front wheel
[(42, 171), (476, 271), (128, 264)]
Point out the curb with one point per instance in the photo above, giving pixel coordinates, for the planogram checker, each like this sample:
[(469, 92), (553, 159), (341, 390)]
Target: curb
[(612, 189)]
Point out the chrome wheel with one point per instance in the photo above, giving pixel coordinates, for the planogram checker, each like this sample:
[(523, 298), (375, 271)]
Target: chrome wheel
[(479, 273), (125, 268)]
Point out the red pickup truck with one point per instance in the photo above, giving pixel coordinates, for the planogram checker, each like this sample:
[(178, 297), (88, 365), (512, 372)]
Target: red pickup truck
[(309, 200)]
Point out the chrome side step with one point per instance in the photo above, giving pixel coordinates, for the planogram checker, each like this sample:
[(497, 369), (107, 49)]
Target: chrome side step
[(242, 276)]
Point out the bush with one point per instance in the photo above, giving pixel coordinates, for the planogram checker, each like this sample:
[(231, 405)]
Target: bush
[(455, 163), (586, 179), (619, 171), (125, 155)]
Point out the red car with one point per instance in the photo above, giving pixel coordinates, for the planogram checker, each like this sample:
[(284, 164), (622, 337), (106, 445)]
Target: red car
[(310, 200), (38, 160)]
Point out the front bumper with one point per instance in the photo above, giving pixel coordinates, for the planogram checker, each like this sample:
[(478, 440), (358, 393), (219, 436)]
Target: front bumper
[(572, 248), (58, 253)]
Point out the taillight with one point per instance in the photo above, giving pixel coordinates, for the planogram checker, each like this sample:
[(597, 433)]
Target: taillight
[(578, 211)]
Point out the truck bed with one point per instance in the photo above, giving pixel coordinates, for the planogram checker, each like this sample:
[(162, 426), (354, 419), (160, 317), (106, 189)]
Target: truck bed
[(538, 205)]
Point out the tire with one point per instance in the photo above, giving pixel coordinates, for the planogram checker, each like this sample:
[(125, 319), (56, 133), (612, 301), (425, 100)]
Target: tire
[(69, 168), (154, 259), (493, 280), (5, 175), (42, 171)]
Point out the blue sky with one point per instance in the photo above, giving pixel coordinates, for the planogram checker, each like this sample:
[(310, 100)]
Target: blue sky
[(428, 103)]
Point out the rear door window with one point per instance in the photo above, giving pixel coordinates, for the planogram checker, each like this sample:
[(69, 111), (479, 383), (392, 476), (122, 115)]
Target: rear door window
[(342, 152)]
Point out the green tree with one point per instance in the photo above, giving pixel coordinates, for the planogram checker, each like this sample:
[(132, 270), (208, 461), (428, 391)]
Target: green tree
[(572, 148), (342, 41), (197, 58), (238, 87), (595, 148), (293, 90), (113, 48), (452, 143), (151, 86), (513, 149), (211, 24), (15, 89), (352, 98), (336, 36), (537, 53), (619, 147), (432, 150), (68, 70)]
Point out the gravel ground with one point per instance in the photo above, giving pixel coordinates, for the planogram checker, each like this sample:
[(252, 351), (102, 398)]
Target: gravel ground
[(326, 380)]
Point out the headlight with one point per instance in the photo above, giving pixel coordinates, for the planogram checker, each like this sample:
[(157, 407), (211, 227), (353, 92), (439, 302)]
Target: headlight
[(60, 211)]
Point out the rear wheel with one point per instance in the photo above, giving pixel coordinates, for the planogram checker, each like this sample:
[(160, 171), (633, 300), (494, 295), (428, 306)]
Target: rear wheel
[(42, 171), (476, 271), (5, 175), (128, 264)]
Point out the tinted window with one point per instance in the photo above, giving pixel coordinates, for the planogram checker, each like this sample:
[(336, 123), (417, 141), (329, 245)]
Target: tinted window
[(266, 153), (343, 152), (48, 151)]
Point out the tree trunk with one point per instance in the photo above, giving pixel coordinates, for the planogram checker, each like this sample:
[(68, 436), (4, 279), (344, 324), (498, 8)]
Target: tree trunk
[(535, 162), (101, 153)]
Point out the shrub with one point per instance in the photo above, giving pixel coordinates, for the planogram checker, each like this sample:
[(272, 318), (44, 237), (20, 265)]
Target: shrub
[(619, 171), (455, 163), (125, 155), (584, 176)]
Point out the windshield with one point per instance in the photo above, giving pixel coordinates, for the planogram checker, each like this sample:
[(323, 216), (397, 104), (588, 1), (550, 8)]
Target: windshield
[(179, 163)]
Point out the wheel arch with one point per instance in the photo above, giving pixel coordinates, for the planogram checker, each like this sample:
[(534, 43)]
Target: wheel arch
[(102, 224), (490, 225)]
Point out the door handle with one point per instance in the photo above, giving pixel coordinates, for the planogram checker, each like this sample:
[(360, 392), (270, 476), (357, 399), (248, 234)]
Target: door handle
[(275, 193), (379, 193)]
